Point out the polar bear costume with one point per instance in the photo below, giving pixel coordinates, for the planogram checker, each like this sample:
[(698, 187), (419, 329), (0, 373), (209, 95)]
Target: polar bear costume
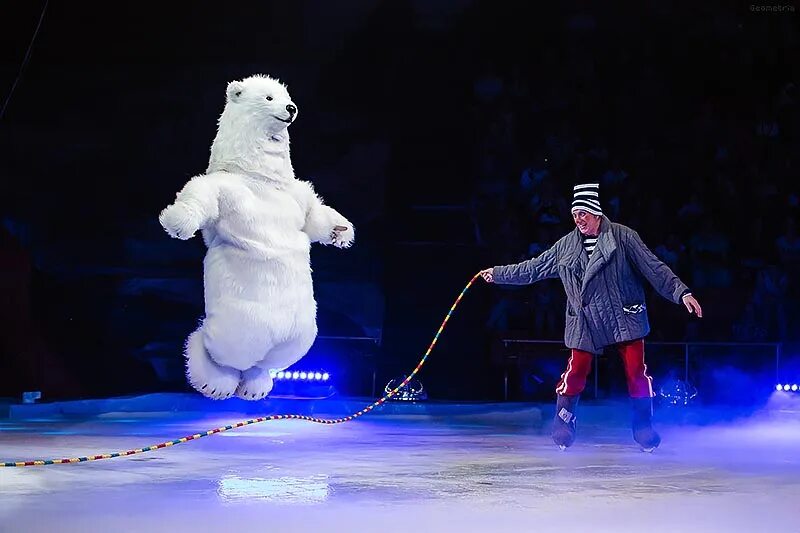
[(258, 222)]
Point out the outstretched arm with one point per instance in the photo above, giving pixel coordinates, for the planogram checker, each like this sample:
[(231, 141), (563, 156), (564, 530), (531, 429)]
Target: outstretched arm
[(660, 276), (196, 206), (543, 266), (324, 224)]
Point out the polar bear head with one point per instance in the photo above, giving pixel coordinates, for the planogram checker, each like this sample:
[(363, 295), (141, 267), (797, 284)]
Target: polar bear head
[(253, 125), (258, 100)]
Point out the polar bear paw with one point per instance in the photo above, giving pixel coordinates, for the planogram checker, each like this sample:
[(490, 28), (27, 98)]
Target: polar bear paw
[(205, 375), (179, 221), (256, 384), (342, 236)]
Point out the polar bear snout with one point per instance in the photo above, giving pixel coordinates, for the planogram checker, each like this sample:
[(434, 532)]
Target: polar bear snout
[(292, 110)]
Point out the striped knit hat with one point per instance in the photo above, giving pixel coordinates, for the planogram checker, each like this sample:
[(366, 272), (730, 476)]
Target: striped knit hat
[(587, 198)]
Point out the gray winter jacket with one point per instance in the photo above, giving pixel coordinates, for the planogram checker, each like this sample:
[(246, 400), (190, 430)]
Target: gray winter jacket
[(605, 296)]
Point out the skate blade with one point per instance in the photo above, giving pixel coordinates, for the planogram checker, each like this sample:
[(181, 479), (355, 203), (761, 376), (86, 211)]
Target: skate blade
[(562, 447), (649, 450)]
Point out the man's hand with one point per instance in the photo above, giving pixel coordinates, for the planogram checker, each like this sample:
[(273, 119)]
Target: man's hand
[(693, 305), (487, 275)]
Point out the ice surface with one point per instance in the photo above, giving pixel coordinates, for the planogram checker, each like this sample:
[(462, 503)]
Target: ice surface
[(413, 473)]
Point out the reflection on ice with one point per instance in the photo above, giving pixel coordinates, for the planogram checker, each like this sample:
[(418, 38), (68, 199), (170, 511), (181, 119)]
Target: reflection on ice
[(286, 490)]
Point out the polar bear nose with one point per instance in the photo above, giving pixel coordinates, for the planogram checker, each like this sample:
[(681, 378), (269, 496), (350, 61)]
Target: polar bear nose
[(291, 109)]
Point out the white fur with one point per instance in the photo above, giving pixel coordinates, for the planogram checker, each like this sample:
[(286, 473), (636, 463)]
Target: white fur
[(258, 222)]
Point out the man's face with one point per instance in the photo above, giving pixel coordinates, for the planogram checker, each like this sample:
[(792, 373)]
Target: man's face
[(588, 224)]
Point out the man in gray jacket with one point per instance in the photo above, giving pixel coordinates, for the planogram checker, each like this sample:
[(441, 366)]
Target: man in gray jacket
[(602, 266)]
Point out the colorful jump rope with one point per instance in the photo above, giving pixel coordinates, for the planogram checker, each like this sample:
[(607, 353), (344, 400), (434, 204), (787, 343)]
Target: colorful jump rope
[(44, 462)]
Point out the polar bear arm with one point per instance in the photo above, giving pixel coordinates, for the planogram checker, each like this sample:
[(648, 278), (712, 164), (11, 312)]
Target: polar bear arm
[(196, 207), (323, 222)]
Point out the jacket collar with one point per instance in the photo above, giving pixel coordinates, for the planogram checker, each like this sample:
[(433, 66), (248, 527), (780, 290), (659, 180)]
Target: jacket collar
[(603, 251), (575, 259)]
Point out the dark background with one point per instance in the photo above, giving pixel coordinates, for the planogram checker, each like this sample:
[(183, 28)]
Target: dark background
[(449, 132)]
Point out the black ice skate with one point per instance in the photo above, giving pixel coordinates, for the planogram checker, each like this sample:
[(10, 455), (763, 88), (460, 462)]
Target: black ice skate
[(564, 422), (643, 431)]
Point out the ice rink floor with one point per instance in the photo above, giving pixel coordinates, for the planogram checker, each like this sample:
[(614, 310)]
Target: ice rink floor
[(488, 468)]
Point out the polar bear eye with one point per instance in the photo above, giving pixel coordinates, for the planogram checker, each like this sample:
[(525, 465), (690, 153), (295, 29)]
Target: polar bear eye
[(269, 98)]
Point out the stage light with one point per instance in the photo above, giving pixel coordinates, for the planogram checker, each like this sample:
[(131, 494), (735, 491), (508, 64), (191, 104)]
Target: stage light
[(779, 387), (794, 388), (410, 392), (303, 384), (677, 392), (300, 375), (31, 396)]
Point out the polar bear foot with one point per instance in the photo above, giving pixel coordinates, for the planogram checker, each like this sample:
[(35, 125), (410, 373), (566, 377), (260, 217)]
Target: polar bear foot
[(207, 377), (255, 385)]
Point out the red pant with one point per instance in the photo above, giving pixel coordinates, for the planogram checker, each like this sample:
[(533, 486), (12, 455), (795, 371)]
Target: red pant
[(640, 385)]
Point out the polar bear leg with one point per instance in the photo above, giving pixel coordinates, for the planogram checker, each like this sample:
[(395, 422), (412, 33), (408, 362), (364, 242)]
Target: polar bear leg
[(206, 376), (257, 382), (236, 336), (289, 352), (255, 385)]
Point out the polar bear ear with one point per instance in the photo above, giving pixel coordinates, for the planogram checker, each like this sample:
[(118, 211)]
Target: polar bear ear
[(235, 90)]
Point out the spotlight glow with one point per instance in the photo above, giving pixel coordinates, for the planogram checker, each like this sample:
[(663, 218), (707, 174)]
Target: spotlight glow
[(779, 387), (301, 375), (794, 388)]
